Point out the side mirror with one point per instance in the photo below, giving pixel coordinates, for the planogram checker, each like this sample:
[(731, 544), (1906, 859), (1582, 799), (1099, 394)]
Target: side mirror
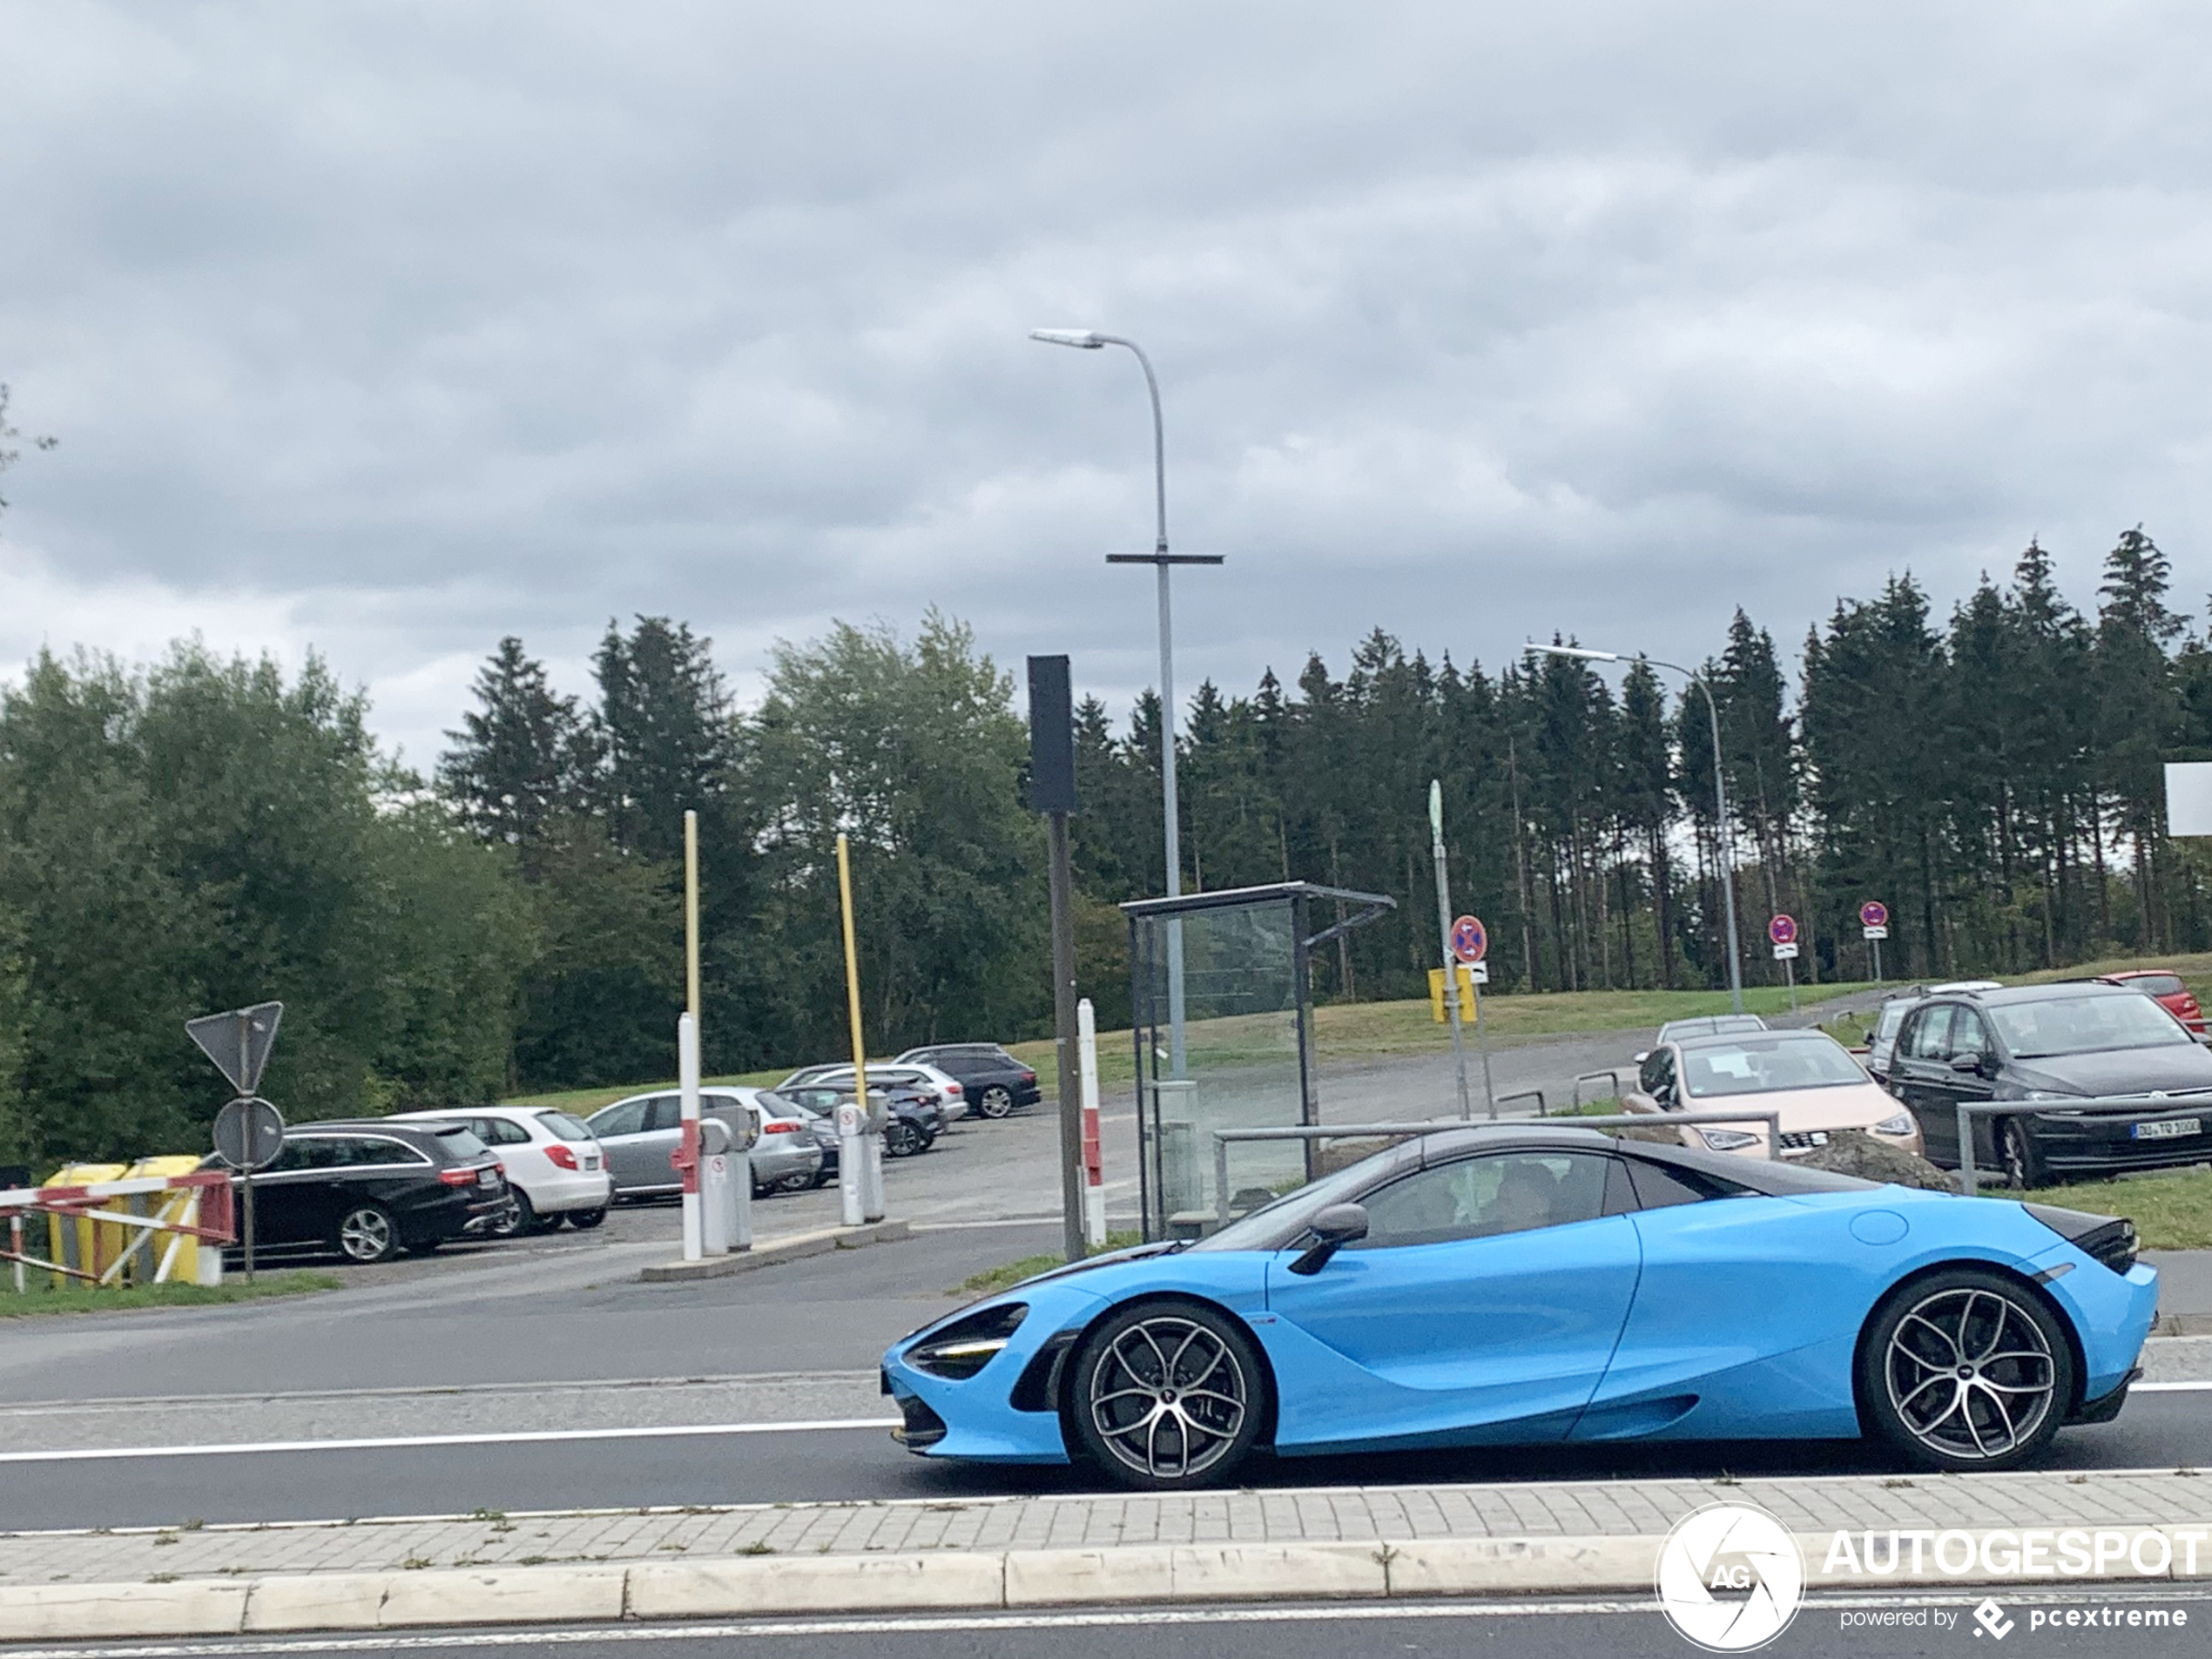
[(1641, 1058), (1332, 1229), (1973, 1065)]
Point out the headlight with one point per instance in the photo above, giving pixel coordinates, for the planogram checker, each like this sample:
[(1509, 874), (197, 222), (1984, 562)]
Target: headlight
[(1728, 1140), (1901, 1124), (2048, 1094), (966, 1345)]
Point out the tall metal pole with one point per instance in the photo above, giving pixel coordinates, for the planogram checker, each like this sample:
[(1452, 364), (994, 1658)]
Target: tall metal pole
[(1160, 559), (1444, 939), (1727, 841)]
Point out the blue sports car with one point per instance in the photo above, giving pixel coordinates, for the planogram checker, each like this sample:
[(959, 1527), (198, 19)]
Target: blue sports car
[(1521, 1284)]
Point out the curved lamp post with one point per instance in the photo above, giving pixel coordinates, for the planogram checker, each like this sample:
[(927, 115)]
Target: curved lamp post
[(1720, 796)]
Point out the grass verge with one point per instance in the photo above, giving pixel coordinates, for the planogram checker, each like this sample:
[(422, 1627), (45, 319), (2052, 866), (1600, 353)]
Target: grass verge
[(79, 1298), (993, 1280), (2170, 1211)]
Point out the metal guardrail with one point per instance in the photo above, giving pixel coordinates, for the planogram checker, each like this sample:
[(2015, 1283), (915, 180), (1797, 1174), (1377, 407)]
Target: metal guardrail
[(1611, 1073), (1536, 1095), (1224, 1137), (2100, 1106)]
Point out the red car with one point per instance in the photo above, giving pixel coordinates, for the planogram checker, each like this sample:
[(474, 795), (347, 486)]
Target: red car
[(2164, 987)]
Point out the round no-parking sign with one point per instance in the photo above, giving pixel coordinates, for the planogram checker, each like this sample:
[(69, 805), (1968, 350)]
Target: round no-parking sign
[(1783, 930), (1469, 939), (1873, 913)]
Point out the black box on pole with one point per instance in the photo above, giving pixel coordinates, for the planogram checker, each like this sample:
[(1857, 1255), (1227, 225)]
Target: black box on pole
[(1052, 737)]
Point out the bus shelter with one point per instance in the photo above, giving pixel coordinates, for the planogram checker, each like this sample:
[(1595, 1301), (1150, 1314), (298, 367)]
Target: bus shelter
[(1223, 1031)]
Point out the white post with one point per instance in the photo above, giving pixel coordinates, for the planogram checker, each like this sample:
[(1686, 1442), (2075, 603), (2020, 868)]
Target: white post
[(687, 1074), (15, 1245), (852, 1161), (1093, 1151), (871, 1192), (741, 1228)]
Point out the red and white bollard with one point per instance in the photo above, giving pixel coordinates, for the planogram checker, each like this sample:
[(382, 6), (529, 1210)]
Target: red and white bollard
[(1094, 1157)]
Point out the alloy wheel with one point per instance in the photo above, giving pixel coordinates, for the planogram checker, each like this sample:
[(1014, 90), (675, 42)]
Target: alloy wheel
[(1168, 1398), (1971, 1375), (996, 1101), (366, 1235)]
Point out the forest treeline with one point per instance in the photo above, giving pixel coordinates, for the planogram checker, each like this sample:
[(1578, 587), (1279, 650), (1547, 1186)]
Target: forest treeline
[(206, 831)]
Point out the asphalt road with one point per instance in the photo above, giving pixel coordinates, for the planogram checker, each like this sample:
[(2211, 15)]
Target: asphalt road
[(1524, 1629)]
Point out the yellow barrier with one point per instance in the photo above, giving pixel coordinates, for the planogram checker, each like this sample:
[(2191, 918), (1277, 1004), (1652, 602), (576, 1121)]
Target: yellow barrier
[(170, 1207), (79, 1241), (91, 1245), (1436, 993)]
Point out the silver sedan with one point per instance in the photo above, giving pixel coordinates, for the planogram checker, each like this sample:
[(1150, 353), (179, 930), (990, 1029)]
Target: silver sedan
[(639, 1133)]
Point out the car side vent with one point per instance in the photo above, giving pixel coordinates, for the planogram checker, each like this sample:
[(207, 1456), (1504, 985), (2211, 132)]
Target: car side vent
[(2109, 1239)]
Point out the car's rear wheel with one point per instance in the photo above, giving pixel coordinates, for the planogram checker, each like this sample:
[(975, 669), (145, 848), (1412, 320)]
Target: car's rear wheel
[(585, 1220), (2023, 1166), (995, 1101), (519, 1216), (901, 1139), (1166, 1396), (367, 1233), (798, 1181), (1966, 1369)]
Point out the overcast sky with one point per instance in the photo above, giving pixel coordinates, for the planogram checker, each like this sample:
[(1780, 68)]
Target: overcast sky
[(388, 329)]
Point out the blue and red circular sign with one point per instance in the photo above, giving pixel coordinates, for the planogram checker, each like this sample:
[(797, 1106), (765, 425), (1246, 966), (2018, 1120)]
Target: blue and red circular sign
[(1470, 941), (1783, 930), (1873, 913)]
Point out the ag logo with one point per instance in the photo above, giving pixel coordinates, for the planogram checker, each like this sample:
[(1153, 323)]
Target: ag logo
[(1729, 1577)]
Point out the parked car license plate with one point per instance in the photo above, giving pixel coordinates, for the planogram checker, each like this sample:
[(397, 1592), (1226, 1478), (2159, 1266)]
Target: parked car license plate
[(2166, 1129), (487, 1178), (590, 1161)]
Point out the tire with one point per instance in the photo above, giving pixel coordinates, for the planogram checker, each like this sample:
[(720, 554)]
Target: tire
[(368, 1234), (799, 1181), (995, 1101), (901, 1139), (585, 1220), (2016, 1151), (823, 1177), (1965, 1370), (518, 1218), (1131, 1393)]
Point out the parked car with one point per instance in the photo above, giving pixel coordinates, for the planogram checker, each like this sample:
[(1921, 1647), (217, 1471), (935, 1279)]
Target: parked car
[(2054, 1043), (1710, 1025), (370, 1187), (1511, 1284), (2164, 987), (947, 1091), (996, 1083), (1881, 1040), (913, 1119), (556, 1171), (1807, 1077), (639, 1133)]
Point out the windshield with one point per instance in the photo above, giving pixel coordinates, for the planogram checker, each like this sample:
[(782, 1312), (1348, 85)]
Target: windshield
[(2084, 1025), (2155, 984), (568, 1127), (1892, 1017), (1763, 1065), (776, 1106), (1271, 1221)]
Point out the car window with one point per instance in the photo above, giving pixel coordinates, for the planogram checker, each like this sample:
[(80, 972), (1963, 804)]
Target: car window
[(377, 1149), (1482, 1198), (1892, 1016), (460, 1143), (1930, 1037), (1752, 1065), (306, 1152), (2084, 1025), (627, 1118), (1968, 1035), (499, 1131), (1659, 1187), (2156, 985), (567, 1128), (664, 1111)]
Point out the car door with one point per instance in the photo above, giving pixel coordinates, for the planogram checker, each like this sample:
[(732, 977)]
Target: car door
[(1483, 1305), (1967, 1076), (290, 1193), (626, 1135), (1920, 1075)]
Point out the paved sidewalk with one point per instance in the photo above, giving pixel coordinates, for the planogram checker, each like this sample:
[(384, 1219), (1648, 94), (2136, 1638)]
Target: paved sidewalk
[(1578, 1509)]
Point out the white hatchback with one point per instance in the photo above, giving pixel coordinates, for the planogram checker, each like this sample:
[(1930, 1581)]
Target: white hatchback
[(556, 1167)]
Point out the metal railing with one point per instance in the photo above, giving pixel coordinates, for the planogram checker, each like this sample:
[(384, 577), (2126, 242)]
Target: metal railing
[(1223, 1138), (1536, 1095), (1611, 1073), (2100, 1106)]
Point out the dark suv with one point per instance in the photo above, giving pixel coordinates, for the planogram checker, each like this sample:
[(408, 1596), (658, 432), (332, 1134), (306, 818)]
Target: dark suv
[(994, 1079), (368, 1189), (2054, 1043)]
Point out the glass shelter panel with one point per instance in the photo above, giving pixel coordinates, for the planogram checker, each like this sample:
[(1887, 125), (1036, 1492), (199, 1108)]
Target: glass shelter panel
[(1219, 1021)]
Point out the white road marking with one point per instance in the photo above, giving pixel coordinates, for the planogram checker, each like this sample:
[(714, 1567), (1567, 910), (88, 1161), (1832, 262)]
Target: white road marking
[(2171, 1388), (1330, 1612), (394, 1442)]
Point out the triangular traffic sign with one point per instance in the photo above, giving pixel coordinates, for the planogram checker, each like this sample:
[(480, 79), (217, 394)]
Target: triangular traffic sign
[(238, 1041)]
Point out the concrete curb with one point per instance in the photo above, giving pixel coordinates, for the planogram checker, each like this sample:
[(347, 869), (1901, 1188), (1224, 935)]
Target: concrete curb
[(798, 1247), (762, 1586)]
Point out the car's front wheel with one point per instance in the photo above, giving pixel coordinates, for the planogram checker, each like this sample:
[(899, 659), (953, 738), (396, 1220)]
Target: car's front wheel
[(2023, 1168), (367, 1233), (1166, 1396), (1965, 1370), (995, 1101), (519, 1217)]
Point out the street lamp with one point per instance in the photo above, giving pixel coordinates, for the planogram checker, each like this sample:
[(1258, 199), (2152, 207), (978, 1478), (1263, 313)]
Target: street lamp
[(1720, 796), (1160, 559)]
